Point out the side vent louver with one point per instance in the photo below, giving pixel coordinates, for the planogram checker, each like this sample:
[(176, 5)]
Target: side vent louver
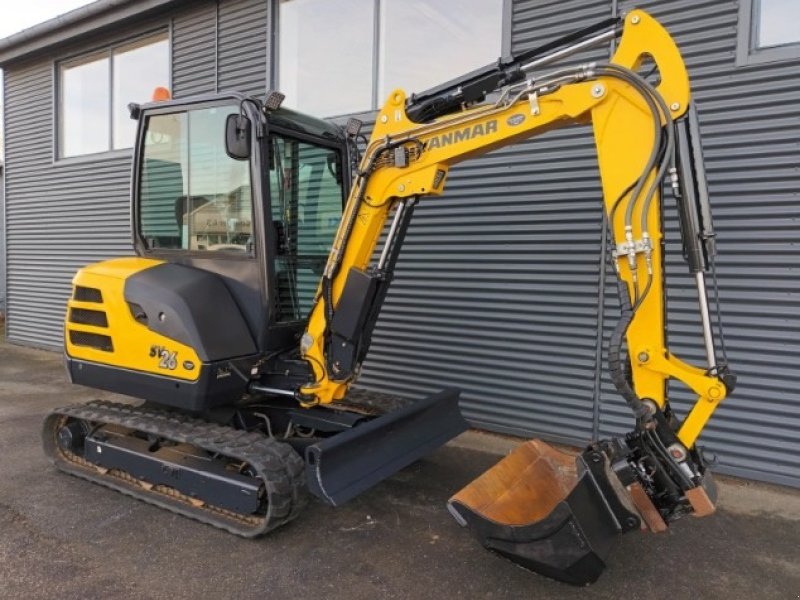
[(87, 294), (91, 340), (83, 316)]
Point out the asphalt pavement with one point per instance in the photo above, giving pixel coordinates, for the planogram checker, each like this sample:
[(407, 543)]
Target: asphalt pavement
[(61, 537)]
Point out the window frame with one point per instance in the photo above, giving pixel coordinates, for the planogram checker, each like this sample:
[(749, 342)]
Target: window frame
[(747, 52), (101, 51), (274, 59)]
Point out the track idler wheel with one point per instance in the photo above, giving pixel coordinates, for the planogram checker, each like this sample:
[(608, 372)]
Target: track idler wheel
[(72, 435)]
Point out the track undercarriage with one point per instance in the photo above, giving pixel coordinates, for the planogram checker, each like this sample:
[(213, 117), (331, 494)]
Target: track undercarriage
[(251, 469), (97, 440)]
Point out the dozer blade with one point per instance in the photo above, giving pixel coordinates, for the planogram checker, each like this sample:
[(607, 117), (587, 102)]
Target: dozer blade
[(349, 463), (547, 511)]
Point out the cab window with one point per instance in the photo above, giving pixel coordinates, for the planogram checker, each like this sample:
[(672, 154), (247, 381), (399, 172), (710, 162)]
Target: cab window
[(306, 196), (192, 195)]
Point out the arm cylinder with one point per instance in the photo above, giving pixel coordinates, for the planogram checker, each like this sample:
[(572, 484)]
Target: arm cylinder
[(694, 212), (694, 209)]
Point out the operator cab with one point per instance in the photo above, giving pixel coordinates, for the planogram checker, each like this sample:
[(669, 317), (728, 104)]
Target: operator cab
[(254, 196)]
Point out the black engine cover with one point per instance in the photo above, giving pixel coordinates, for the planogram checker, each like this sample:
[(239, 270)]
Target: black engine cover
[(193, 307)]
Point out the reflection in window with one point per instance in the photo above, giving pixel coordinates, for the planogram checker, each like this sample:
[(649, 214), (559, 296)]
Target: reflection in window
[(95, 92), (326, 55), (138, 69), (193, 196), (778, 23), (306, 198), (328, 48)]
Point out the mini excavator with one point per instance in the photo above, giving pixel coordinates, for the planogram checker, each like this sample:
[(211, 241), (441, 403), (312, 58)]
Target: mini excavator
[(265, 242)]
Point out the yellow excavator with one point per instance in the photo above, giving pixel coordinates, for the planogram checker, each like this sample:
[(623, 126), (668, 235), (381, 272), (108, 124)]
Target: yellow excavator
[(265, 245)]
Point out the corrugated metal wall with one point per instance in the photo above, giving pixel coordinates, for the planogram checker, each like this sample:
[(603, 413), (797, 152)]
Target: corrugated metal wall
[(194, 49), (220, 46), (60, 216), (2, 243), (242, 59), (507, 275)]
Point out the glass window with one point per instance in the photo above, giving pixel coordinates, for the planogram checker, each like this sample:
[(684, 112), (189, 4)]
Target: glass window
[(138, 69), (326, 55), (306, 196), (95, 92), (778, 23), (344, 56), (426, 43), (192, 195), (85, 101)]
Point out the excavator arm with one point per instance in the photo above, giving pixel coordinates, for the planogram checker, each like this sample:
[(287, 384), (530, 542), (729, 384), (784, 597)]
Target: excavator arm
[(644, 134)]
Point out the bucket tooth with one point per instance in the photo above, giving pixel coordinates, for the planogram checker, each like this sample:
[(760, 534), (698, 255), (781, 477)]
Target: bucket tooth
[(547, 511)]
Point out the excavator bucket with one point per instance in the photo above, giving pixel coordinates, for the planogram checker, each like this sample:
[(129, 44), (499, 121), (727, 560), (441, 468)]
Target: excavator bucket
[(548, 511)]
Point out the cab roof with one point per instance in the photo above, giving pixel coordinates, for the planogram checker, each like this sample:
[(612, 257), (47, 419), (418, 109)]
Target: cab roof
[(284, 118)]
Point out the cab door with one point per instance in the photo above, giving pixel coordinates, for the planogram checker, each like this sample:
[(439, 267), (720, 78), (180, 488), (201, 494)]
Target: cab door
[(307, 184)]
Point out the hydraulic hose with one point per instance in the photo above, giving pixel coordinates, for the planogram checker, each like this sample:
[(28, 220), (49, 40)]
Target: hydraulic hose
[(327, 277), (658, 107), (633, 79), (616, 366)]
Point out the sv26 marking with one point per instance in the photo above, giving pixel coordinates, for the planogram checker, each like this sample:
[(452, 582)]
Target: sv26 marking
[(166, 358)]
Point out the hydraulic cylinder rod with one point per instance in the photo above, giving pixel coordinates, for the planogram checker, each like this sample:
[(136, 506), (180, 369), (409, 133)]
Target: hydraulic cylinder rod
[(708, 336), (597, 40)]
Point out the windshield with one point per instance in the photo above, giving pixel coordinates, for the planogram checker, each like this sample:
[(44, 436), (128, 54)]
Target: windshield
[(306, 197), (192, 195)]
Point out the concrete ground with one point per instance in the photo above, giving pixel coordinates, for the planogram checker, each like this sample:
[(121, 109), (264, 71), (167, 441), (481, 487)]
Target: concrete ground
[(64, 538)]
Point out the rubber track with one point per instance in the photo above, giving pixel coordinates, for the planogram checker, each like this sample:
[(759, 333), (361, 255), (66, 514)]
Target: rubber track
[(275, 463)]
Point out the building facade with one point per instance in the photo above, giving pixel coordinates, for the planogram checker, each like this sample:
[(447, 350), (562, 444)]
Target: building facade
[(502, 288), (2, 244)]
